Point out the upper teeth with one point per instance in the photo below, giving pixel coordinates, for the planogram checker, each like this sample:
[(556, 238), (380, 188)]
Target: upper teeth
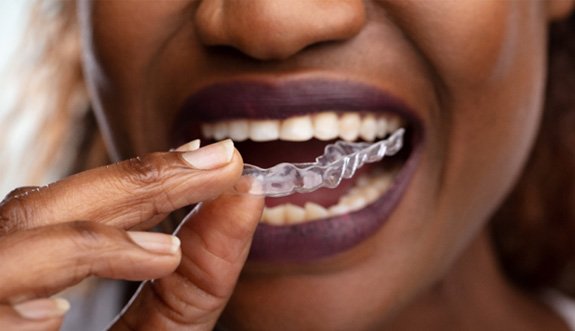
[(323, 126)]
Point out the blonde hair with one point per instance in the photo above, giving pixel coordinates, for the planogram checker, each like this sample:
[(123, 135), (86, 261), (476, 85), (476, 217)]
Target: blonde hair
[(51, 98)]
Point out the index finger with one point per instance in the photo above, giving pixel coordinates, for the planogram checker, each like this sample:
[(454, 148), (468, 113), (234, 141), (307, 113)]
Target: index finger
[(128, 193)]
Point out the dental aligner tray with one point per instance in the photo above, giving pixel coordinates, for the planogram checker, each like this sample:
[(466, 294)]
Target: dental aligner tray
[(340, 160)]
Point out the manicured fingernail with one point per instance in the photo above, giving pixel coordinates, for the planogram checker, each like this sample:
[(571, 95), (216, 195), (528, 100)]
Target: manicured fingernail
[(41, 309), (156, 242), (212, 156), (191, 146)]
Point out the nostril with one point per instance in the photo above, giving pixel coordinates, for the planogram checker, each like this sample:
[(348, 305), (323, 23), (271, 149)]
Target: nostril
[(230, 52), (277, 29), (223, 51)]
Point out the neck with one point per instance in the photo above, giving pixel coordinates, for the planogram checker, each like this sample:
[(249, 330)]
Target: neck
[(474, 295)]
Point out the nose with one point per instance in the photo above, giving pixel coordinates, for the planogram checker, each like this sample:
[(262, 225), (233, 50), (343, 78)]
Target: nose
[(277, 29)]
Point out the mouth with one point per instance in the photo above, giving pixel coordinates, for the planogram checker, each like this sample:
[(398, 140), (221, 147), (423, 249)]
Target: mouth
[(292, 122)]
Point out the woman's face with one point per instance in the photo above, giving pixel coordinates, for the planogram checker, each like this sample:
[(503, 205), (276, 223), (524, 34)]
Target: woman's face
[(465, 77)]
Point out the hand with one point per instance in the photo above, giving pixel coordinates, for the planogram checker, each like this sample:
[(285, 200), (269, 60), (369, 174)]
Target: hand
[(215, 244), (55, 236)]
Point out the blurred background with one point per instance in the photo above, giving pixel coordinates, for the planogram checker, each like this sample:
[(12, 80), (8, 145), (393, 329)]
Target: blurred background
[(13, 18), (12, 23)]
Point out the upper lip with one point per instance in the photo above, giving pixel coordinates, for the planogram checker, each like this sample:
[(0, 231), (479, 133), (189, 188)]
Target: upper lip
[(263, 99), (260, 99)]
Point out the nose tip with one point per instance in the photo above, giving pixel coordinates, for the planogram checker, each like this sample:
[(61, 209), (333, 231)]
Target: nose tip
[(277, 29)]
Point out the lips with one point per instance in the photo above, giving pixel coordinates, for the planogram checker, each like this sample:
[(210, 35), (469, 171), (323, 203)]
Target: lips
[(291, 122)]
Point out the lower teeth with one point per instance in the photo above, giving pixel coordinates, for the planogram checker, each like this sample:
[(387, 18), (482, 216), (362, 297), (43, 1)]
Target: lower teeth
[(368, 188)]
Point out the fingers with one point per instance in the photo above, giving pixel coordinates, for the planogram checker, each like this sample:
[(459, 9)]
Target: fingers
[(128, 193), (217, 241), (42, 261), (215, 244), (39, 314)]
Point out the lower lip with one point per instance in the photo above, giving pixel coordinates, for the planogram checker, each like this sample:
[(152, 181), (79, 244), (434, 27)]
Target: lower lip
[(324, 238)]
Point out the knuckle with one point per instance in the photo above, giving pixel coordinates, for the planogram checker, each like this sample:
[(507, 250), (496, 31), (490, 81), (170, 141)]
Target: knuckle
[(145, 170), (93, 245), (7, 223), (14, 210), (89, 236)]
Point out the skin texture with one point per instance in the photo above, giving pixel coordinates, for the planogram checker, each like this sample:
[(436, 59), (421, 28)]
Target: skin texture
[(474, 72), (45, 247)]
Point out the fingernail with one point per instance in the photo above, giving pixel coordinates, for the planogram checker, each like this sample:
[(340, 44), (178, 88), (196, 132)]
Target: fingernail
[(191, 146), (156, 242), (212, 156), (42, 308)]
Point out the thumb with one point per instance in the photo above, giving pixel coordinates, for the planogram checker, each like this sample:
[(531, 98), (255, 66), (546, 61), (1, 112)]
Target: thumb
[(215, 244)]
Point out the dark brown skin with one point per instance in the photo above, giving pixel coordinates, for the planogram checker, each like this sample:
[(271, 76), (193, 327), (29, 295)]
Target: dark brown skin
[(473, 70), (80, 225)]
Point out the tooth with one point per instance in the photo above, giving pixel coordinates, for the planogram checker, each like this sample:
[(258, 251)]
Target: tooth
[(239, 130), (220, 130), (314, 211), (368, 128), (382, 183), (354, 202), (274, 215), (338, 210), (353, 192), (294, 214), (373, 186), (381, 127), (370, 194), (296, 129), (264, 130), (207, 130), (349, 124), (393, 124), (326, 126)]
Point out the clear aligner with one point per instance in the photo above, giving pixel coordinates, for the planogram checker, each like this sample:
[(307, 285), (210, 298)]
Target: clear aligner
[(340, 160)]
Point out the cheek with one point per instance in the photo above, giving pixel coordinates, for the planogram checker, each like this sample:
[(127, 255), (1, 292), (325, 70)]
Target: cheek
[(494, 82), (468, 42), (124, 43)]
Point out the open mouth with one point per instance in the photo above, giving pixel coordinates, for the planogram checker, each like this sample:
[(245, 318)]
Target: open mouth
[(301, 139), (293, 122)]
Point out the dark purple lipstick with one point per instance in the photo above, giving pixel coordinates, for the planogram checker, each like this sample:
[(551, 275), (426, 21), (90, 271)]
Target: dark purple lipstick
[(250, 99), (277, 100)]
